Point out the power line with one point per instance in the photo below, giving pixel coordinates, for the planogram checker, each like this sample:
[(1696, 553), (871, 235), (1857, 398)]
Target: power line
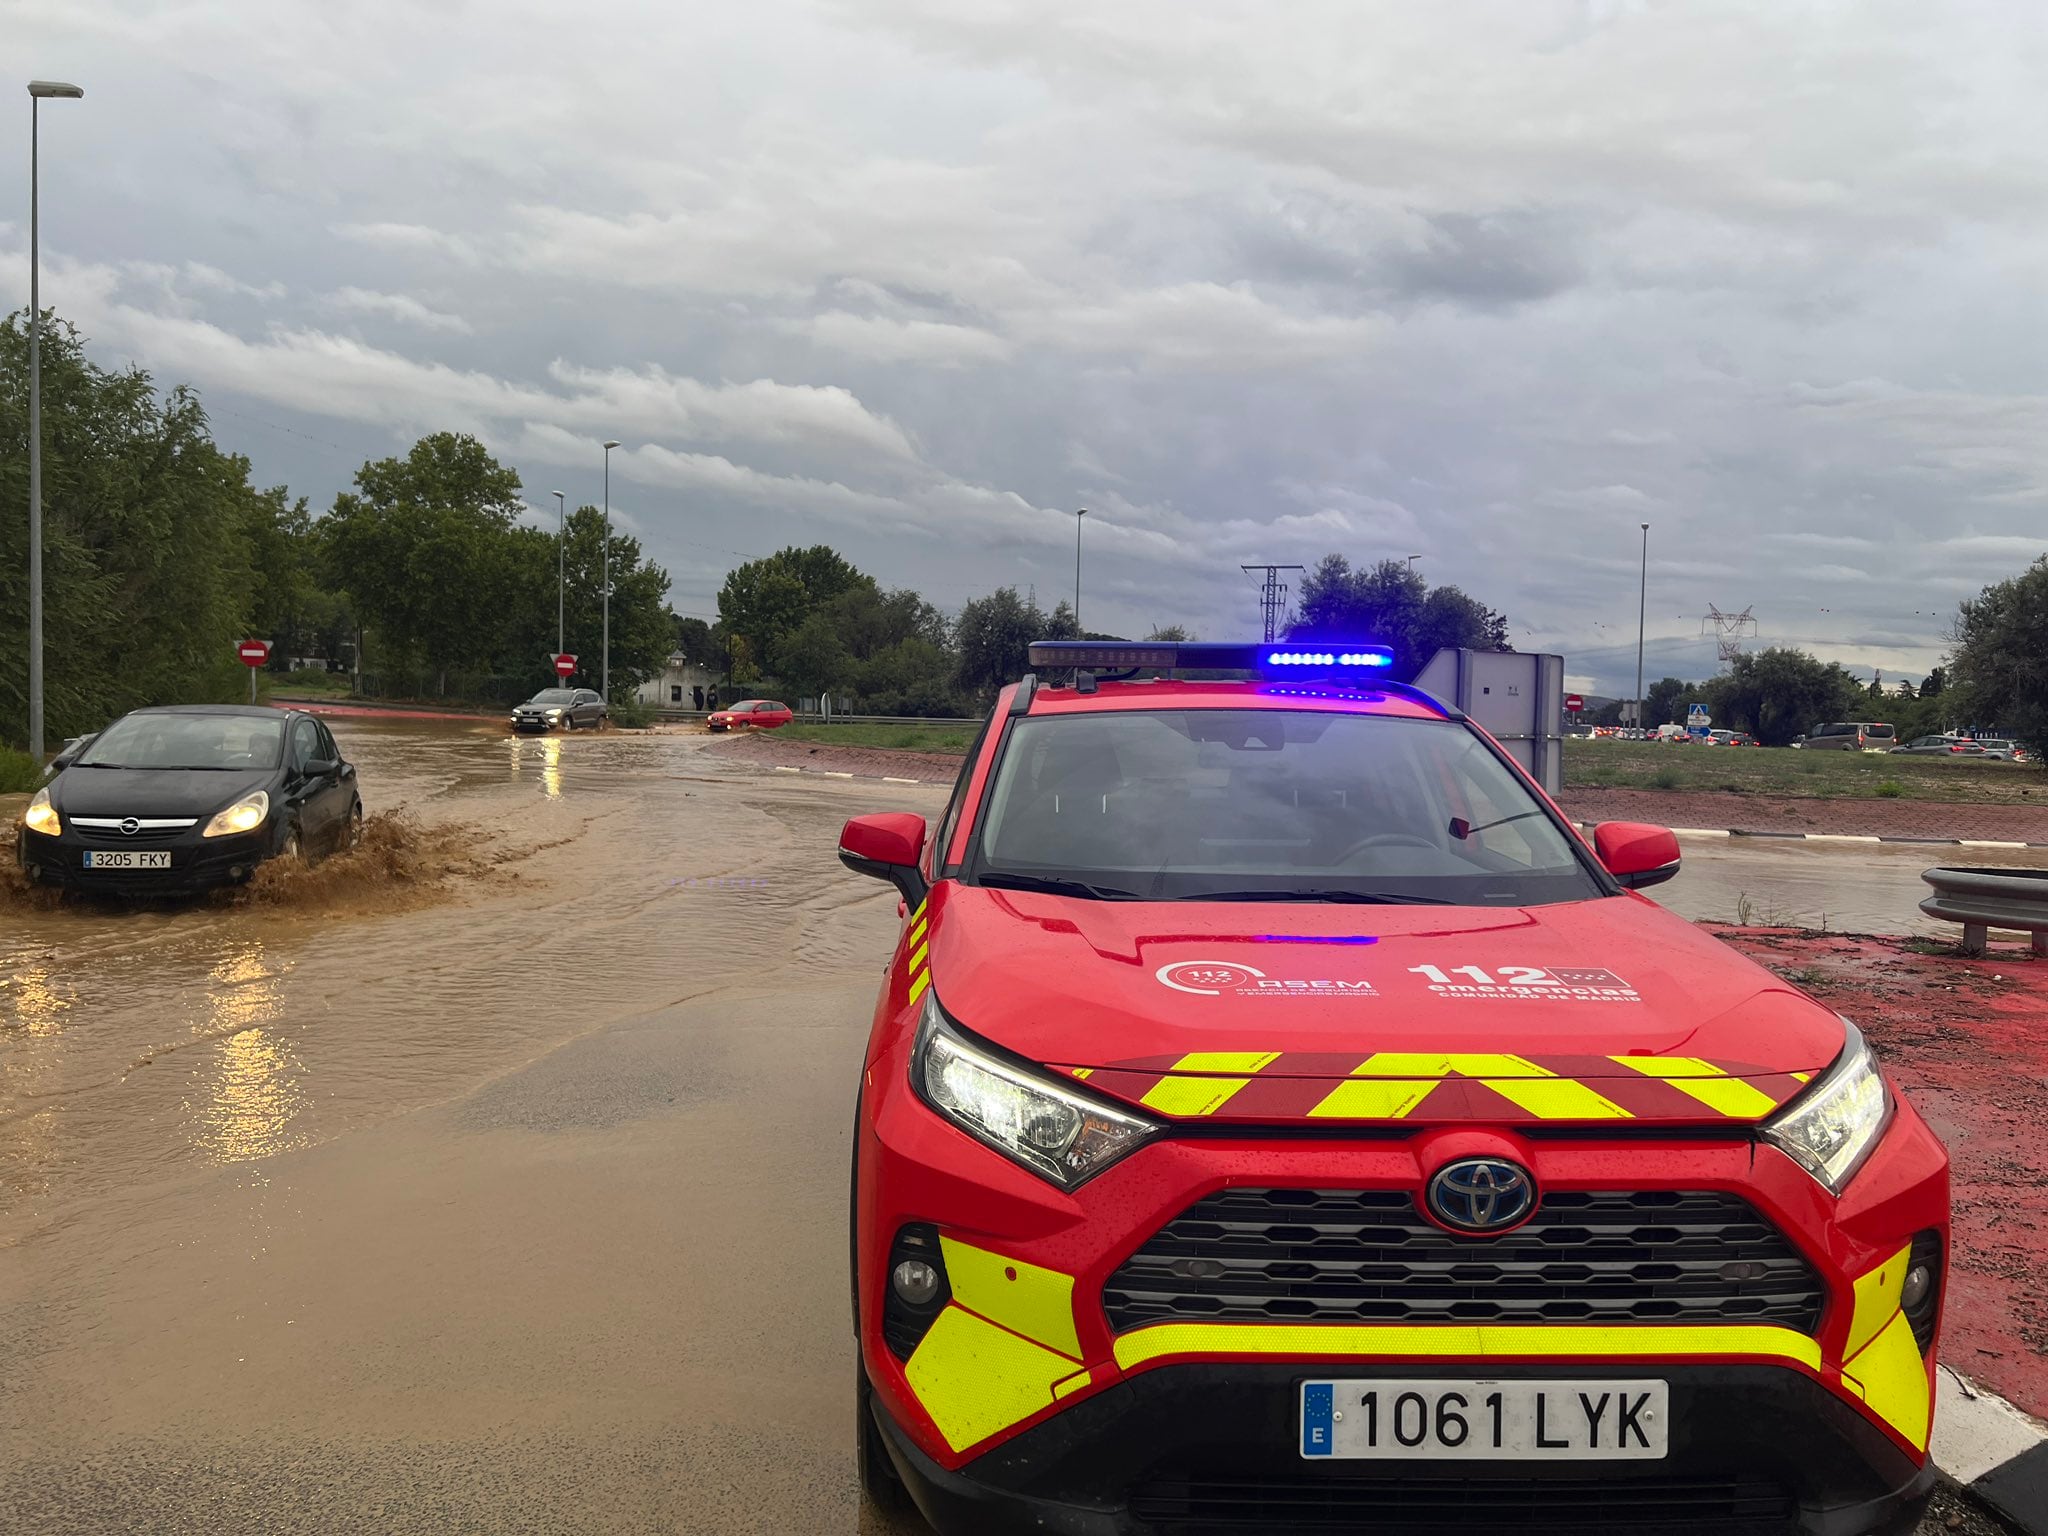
[(1272, 594)]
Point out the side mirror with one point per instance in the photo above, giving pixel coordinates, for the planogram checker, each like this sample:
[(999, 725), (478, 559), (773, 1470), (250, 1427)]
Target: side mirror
[(1636, 853), (886, 846), (321, 767)]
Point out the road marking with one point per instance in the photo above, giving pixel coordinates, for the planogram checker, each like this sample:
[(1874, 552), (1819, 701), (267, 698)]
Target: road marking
[(886, 779), (1838, 837), (1701, 832), (781, 768), (831, 775), (1978, 842)]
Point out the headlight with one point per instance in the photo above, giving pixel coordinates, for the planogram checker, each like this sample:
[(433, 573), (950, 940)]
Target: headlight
[(41, 816), (1056, 1133), (245, 815), (554, 714), (1831, 1127)]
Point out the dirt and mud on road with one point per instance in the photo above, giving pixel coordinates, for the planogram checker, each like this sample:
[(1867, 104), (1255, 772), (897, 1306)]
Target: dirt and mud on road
[(1968, 1041), (495, 1180)]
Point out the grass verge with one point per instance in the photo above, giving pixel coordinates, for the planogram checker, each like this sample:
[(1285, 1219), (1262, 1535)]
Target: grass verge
[(1610, 764), (916, 738)]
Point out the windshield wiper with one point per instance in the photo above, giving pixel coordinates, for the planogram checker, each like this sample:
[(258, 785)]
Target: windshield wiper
[(1363, 898), (1462, 829), (1013, 880)]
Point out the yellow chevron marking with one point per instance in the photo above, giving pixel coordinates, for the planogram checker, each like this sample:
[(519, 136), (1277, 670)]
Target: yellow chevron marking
[(1373, 1099)]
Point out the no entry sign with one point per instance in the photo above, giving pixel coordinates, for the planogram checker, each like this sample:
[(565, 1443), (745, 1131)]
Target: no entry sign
[(253, 652), (1574, 702), (564, 665)]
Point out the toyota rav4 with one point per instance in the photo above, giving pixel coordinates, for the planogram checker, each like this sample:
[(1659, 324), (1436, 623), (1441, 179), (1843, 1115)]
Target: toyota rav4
[(1277, 1116)]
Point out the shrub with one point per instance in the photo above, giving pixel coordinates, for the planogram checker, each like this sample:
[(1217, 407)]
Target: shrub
[(1665, 778), (19, 773), (631, 713), (1890, 789)]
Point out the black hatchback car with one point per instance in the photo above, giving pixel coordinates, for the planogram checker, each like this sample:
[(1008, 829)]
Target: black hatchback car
[(189, 796)]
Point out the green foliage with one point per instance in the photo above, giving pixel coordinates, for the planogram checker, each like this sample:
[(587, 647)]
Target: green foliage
[(2001, 657), (19, 773), (1665, 702), (993, 635), (1890, 789), (1665, 778), (149, 572), (1780, 693), (1390, 604), (764, 602), (629, 712)]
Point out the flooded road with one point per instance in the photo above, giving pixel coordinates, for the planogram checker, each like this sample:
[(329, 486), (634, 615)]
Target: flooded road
[(503, 1194)]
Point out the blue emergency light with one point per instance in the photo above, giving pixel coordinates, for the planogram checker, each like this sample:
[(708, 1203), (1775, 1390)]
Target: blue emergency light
[(1174, 655)]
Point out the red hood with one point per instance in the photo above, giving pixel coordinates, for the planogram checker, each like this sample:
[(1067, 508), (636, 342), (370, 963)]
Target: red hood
[(1595, 1010)]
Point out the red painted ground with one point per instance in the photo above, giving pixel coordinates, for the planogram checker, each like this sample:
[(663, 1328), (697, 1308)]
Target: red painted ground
[(1968, 1041), (378, 712)]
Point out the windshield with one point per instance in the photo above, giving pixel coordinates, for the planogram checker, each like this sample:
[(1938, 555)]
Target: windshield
[(551, 696), (187, 741), (1242, 804)]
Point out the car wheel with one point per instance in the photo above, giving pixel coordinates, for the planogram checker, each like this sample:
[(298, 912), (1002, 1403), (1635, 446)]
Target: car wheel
[(353, 838), (291, 848), (879, 1483)]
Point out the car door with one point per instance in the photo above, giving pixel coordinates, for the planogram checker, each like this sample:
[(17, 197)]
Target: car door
[(592, 707), (339, 794), (304, 790)]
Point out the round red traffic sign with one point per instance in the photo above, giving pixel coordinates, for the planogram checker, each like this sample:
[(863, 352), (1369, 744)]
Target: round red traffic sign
[(253, 652), (1573, 701), (564, 665)]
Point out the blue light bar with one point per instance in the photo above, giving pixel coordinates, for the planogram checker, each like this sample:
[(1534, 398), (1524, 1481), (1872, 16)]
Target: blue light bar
[(1170, 655), (1373, 656)]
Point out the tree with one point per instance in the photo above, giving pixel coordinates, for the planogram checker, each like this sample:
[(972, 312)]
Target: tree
[(1176, 632), (421, 547), (764, 601), (2001, 657), (1781, 693), (812, 659), (1664, 702), (694, 641), (1906, 690), (147, 568), (994, 634), (1392, 605), (1936, 680)]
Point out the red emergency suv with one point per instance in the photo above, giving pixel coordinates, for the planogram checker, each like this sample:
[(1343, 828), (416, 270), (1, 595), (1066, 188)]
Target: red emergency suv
[(1278, 1118)]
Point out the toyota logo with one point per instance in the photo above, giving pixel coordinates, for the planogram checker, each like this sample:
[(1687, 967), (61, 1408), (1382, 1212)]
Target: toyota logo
[(1481, 1194), (130, 826)]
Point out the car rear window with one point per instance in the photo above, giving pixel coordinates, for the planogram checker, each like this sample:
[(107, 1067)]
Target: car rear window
[(1192, 803)]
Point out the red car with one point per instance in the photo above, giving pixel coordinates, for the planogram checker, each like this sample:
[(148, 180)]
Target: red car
[(1277, 1117), (762, 713)]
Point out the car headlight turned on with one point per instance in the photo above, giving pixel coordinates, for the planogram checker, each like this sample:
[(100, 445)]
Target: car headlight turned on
[(245, 815), (1062, 1136), (41, 816), (1832, 1127)]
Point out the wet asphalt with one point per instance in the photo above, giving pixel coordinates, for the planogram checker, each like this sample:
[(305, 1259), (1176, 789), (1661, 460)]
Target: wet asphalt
[(569, 1256)]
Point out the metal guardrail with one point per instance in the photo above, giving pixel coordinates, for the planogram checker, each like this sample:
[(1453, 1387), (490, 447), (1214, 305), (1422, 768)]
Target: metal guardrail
[(1983, 899)]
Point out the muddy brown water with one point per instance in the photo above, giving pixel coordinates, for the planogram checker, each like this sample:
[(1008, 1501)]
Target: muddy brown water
[(493, 1182)]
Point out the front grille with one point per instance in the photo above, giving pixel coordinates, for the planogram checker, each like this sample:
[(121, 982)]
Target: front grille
[(114, 837), (1641, 1506), (1349, 1256)]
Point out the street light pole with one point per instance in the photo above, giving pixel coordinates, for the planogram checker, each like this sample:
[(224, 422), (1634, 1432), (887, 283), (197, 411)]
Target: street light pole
[(38, 91), (1083, 512), (1642, 609), (561, 566), (606, 677)]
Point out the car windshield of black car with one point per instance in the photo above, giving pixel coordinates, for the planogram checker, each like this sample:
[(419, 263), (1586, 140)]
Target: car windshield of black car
[(195, 742)]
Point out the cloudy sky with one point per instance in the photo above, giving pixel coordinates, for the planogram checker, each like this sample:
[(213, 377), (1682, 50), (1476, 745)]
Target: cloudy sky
[(1492, 284)]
